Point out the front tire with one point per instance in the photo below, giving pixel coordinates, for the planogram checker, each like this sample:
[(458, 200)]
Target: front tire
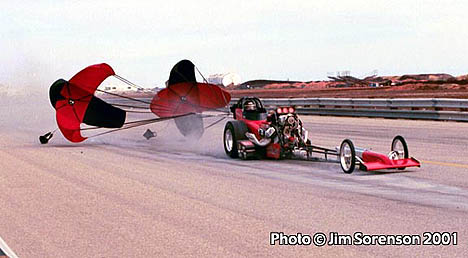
[(400, 148), (347, 156)]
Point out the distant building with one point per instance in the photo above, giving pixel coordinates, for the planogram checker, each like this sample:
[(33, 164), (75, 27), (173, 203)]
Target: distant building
[(120, 88), (225, 79)]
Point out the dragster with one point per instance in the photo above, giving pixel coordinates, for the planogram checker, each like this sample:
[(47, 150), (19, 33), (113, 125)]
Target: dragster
[(255, 133)]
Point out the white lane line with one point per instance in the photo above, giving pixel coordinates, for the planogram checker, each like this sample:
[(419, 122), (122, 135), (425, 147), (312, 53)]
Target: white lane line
[(4, 247)]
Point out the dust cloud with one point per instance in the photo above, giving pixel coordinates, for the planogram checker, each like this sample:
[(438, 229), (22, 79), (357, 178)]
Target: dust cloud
[(169, 139)]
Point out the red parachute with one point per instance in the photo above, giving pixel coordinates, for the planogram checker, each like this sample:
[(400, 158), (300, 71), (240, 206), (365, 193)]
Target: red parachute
[(184, 95), (75, 103)]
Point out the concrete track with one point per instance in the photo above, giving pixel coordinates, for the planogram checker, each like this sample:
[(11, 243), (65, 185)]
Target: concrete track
[(121, 195)]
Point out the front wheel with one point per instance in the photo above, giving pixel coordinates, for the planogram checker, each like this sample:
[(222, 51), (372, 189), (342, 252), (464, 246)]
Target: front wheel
[(347, 156), (399, 149)]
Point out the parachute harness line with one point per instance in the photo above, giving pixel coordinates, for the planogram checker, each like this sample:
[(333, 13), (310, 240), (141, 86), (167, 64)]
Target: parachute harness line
[(132, 124), (126, 97), (183, 98), (216, 122), (201, 74), (128, 106), (127, 81)]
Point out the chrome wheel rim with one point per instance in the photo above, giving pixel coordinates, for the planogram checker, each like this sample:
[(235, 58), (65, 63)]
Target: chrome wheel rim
[(346, 156), (398, 149), (228, 141)]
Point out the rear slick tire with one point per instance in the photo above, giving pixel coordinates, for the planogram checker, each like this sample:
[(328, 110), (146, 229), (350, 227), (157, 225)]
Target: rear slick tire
[(230, 141), (234, 131)]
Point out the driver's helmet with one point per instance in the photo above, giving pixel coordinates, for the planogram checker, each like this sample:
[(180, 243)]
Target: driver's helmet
[(250, 106)]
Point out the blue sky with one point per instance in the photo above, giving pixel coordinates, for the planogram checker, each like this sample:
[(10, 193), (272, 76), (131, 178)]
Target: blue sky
[(297, 40)]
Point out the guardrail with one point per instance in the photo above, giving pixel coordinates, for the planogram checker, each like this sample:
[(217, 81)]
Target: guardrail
[(428, 109)]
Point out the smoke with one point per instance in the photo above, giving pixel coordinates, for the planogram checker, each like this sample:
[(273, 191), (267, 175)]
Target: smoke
[(168, 140), (24, 100), (29, 112), (210, 143), (190, 126)]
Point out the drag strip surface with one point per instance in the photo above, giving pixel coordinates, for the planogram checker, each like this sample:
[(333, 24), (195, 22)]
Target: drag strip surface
[(123, 195)]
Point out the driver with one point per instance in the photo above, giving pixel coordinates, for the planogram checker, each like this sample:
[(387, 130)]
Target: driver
[(250, 106)]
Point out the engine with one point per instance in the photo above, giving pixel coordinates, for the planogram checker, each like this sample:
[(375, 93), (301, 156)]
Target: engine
[(284, 130), (291, 130), (290, 133)]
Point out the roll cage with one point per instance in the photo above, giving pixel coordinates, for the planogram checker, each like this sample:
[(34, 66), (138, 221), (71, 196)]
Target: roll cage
[(258, 114)]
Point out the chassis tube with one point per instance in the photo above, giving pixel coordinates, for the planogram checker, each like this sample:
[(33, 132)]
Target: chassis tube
[(360, 151), (262, 143)]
